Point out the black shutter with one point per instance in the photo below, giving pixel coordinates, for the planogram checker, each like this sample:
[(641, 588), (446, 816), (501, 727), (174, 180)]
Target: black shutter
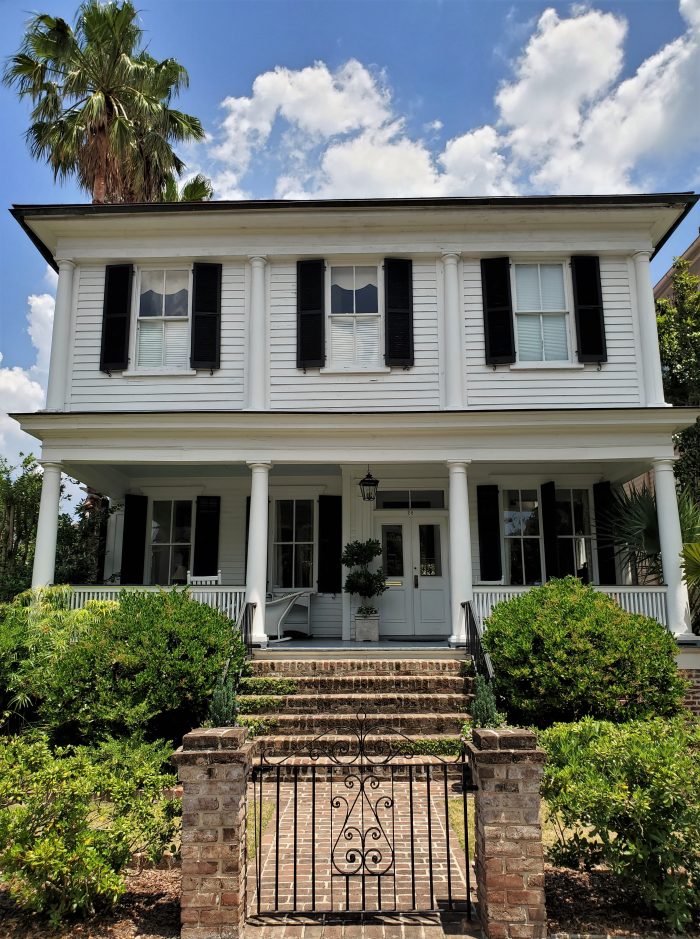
[(247, 532), (548, 505), (330, 543), (398, 313), (498, 311), (311, 313), (489, 522), (588, 307), (206, 536), (602, 504), (206, 316), (116, 315), (134, 539)]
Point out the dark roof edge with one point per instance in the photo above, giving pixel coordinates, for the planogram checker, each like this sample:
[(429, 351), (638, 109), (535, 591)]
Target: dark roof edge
[(34, 238)]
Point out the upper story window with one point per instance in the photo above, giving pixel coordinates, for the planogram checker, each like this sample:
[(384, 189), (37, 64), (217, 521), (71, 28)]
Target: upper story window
[(163, 319), (355, 318), (541, 312)]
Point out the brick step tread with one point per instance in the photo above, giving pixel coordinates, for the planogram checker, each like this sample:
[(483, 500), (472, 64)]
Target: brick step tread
[(387, 703), (398, 684), (302, 744), (360, 666), (416, 724)]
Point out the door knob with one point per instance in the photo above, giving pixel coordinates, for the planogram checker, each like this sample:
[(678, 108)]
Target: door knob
[(415, 580)]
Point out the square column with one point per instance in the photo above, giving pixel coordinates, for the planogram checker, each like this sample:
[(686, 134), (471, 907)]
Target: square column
[(47, 527), (461, 580), (671, 539), (256, 569)]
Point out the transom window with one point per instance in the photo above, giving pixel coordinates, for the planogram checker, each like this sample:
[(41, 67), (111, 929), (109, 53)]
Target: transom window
[(411, 499), (294, 543), (521, 516), (541, 313), (574, 533), (355, 320), (163, 328), (171, 541)]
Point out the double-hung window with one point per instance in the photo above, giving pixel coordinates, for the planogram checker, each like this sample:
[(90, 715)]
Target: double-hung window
[(574, 537), (541, 312), (171, 540), (163, 319), (294, 543), (521, 515), (355, 318)]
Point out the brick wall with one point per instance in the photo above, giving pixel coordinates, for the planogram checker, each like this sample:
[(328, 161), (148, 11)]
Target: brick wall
[(688, 661)]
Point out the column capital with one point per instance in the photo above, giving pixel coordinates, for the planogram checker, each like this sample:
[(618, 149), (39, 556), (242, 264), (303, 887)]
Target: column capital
[(451, 257), (458, 464), (641, 255), (51, 465), (259, 465), (65, 264), (257, 260), (663, 463)]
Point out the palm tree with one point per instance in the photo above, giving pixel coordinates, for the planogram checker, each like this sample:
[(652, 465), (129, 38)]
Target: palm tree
[(101, 105), (197, 189)]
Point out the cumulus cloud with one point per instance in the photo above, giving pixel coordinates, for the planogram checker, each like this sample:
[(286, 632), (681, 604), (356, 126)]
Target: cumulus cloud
[(564, 121)]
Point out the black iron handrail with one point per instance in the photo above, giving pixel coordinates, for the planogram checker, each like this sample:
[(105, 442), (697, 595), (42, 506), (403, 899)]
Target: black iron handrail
[(245, 626), (475, 647)]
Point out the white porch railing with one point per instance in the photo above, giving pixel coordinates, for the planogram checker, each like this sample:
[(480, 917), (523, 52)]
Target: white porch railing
[(648, 601), (229, 600)]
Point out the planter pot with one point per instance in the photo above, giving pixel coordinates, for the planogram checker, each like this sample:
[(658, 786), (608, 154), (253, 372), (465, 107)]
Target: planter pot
[(367, 628)]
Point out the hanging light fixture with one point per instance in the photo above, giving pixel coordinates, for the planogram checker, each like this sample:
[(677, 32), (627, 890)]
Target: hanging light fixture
[(368, 487)]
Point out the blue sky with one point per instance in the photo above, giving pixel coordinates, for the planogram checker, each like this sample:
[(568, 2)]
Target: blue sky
[(388, 97)]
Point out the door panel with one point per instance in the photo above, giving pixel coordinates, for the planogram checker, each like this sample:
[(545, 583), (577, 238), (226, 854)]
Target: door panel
[(430, 597)]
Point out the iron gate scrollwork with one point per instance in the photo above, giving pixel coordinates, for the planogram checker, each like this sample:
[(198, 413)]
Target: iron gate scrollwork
[(359, 824)]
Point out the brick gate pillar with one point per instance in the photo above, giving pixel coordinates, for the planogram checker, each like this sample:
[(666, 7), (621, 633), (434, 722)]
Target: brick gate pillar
[(213, 767), (507, 769)]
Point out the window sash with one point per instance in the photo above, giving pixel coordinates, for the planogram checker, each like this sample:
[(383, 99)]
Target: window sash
[(541, 312), (170, 558), (293, 557), (162, 340), (355, 337)]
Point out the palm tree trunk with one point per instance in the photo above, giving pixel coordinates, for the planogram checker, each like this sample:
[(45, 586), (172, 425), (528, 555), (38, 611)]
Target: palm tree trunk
[(99, 186)]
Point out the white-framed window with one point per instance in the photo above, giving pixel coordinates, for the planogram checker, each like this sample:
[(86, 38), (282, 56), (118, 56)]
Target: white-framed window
[(163, 306), (540, 293), (354, 303), (171, 540), (574, 538), (523, 550), (294, 540)]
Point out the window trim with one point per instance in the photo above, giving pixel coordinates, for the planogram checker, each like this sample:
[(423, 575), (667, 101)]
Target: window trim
[(133, 370), (545, 365), (284, 495), (355, 368), (167, 497)]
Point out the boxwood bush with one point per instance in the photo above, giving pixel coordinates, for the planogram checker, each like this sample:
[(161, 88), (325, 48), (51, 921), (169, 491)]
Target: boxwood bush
[(564, 651), (147, 664), (628, 795)]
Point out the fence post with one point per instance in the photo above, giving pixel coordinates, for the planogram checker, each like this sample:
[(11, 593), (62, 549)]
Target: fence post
[(213, 767), (507, 769)]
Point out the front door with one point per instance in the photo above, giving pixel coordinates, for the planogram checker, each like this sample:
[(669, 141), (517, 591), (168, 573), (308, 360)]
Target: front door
[(414, 555)]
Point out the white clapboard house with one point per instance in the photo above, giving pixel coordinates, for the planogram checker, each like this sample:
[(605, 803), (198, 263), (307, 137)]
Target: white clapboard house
[(228, 372)]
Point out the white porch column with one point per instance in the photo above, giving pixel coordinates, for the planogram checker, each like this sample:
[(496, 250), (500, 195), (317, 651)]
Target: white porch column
[(454, 347), (47, 527), (60, 338), (257, 345), (648, 334), (671, 545), (461, 586), (256, 570)]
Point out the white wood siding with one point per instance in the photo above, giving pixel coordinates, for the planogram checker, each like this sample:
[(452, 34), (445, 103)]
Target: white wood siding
[(615, 385), (93, 390), (403, 390)]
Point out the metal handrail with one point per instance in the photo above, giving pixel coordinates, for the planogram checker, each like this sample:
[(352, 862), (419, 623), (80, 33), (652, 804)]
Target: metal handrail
[(245, 626), (474, 645)]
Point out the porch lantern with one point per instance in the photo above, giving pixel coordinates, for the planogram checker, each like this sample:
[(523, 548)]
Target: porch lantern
[(368, 487)]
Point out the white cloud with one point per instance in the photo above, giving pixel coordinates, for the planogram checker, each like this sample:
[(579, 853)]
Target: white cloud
[(564, 122), (40, 319)]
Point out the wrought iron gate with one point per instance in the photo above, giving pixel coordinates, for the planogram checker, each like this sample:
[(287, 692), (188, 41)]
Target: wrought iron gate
[(360, 827)]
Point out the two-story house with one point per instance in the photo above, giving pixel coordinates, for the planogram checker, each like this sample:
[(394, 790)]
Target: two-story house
[(227, 372)]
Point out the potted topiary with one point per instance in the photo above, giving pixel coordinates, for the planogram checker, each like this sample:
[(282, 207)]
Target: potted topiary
[(366, 584)]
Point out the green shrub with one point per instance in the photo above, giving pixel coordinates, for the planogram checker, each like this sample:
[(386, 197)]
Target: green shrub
[(264, 685), (483, 710), (628, 795), (147, 664), (564, 651), (224, 703), (71, 821)]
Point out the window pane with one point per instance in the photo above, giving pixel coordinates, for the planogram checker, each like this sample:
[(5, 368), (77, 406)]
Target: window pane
[(160, 565), (177, 344), (511, 512), (530, 512), (533, 568), (179, 564), (427, 499), (160, 524), (366, 290), (182, 521), (303, 567), (284, 565), (429, 545), (527, 288), (342, 341), (515, 561), (392, 550), (367, 338), (176, 284), (582, 556), (529, 339), (565, 553), (150, 344), (342, 290), (556, 346), (552, 284), (151, 299), (285, 521), (304, 520), (581, 512), (393, 499), (563, 507)]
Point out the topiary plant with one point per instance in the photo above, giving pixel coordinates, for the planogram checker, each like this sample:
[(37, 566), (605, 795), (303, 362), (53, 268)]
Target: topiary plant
[(367, 584), (483, 710), (564, 651)]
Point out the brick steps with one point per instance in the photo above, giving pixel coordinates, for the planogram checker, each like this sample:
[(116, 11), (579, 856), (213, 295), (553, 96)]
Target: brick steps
[(442, 683), (410, 724), (385, 703), (289, 668), (302, 745)]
